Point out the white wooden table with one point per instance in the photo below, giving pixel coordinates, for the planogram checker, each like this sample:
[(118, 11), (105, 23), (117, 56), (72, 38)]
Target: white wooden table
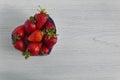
[(88, 47)]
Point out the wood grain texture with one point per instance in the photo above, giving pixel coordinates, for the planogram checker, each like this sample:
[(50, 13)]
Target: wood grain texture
[(88, 47)]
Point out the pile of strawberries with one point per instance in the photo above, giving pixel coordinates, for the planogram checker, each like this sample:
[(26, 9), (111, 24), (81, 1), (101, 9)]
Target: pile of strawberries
[(36, 36)]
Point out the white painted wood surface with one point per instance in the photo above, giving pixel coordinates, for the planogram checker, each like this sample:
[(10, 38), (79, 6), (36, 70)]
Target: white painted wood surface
[(88, 47)]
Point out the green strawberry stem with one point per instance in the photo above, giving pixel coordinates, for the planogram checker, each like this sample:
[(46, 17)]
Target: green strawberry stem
[(50, 32), (41, 10), (31, 18), (15, 38), (26, 54)]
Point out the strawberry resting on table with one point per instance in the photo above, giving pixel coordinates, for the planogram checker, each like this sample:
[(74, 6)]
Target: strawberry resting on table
[(36, 36)]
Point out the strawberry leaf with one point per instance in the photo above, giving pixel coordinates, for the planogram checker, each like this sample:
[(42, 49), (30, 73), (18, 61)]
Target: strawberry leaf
[(32, 19), (26, 54), (41, 10), (15, 38)]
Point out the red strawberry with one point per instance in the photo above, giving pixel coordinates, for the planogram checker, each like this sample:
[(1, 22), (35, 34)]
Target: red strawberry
[(50, 41), (19, 45), (29, 26), (36, 36), (49, 25), (18, 33), (41, 18), (44, 50), (34, 48)]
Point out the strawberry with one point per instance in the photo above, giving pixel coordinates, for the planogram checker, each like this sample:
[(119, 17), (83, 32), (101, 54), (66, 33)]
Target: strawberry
[(18, 33), (49, 25), (50, 41), (41, 18), (35, 36), (49, 28), (29, 26), (34, 48), (44, 50), (19, 45)]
